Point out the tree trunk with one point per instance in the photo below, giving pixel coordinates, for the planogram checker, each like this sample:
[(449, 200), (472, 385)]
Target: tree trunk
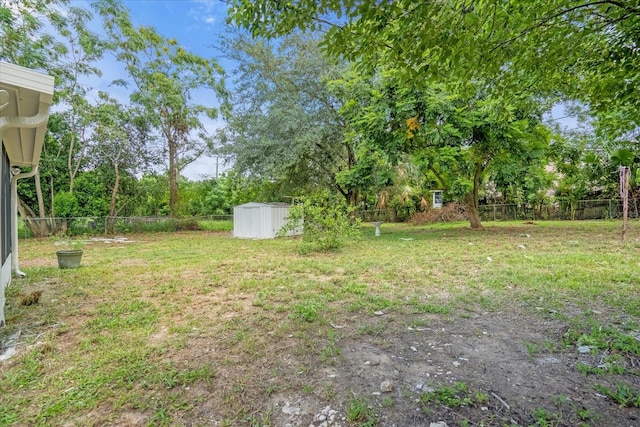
[(474, 218), (43, 229), (28, 216), (353, 198), (114, 196), (53, 209), (173, 178), (471, 200)]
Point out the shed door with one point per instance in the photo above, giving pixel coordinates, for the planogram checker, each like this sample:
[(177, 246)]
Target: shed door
[(252, 216)]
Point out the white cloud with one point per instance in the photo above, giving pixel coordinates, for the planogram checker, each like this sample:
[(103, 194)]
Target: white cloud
[(208, 12)]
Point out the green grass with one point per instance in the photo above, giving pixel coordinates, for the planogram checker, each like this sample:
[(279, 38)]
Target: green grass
[(361, 413), (155, 324), (453, 396)]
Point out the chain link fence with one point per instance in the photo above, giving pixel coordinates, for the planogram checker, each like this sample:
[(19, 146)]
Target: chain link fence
[(562, 210), (77, 226), (559, 210)]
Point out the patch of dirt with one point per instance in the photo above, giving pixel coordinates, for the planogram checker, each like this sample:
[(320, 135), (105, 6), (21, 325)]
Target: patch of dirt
[(487, 352)]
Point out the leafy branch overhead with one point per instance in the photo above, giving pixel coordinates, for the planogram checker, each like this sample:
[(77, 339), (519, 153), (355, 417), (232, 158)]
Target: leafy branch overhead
[(584, 50)]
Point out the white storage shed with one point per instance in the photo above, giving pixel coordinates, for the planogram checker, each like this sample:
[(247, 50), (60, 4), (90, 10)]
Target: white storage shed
[(260, 220)]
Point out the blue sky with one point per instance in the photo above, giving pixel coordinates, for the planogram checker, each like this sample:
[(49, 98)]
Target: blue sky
[(195, 24)]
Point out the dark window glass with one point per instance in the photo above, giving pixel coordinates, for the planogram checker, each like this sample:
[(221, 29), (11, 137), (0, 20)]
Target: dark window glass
[(5, 208)]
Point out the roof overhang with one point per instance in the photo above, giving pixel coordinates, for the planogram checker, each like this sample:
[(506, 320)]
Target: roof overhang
[(25, 99)]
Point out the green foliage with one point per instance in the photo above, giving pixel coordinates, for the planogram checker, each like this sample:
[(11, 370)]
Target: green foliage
[(602, 337), (285, 125), (361, 413), (452, 396), (164, 75), (405, 205), (208, 197), (22, 30), (326, 225), (151, 196), (544, 418), (89, 191), (622, 394), (582, 50), (65, 205), (451, 139), (307, 310)]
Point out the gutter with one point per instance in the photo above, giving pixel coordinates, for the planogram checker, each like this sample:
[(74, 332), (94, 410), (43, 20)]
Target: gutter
[(16, 175)]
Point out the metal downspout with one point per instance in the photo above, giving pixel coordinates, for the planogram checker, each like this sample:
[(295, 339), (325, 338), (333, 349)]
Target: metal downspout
[(15, 269)]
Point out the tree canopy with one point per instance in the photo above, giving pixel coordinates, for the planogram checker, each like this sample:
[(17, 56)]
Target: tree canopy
[(575, 49)]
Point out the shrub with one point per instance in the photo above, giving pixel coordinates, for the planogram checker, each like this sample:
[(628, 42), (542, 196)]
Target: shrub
[(325, 227)]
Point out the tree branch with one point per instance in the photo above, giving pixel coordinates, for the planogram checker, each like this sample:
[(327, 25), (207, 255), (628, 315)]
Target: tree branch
[(547, 20)]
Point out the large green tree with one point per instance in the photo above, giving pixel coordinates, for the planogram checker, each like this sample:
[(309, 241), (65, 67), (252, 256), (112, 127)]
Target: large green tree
[(54, 37), (165, 77), (286, 123), (576, 49), (25, 40), (454, 139), (77, 57), (120, 147)]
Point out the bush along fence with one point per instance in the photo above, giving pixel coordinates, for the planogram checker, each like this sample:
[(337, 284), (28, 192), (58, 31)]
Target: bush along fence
[(559, 210), (76, 226)]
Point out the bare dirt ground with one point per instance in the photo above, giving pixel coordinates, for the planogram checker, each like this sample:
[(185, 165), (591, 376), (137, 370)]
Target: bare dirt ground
[(486, 352), (507, 384)]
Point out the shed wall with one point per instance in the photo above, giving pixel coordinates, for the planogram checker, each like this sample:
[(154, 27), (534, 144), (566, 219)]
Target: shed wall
[(259, 221)]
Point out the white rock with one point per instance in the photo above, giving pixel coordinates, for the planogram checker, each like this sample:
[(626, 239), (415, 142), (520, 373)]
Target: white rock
[(386, 386), (290, 410), (583, 349)]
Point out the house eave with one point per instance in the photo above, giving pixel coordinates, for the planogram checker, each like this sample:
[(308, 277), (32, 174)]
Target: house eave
[(25, 99)]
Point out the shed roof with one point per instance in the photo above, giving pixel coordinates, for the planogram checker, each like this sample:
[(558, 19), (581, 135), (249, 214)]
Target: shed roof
[(25, 98), (259, 204)]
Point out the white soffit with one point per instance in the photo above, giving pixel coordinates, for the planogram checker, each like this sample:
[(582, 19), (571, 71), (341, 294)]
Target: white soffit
[(29, 95)]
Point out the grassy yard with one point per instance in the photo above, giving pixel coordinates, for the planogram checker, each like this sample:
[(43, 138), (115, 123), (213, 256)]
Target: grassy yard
[(198, 328)]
